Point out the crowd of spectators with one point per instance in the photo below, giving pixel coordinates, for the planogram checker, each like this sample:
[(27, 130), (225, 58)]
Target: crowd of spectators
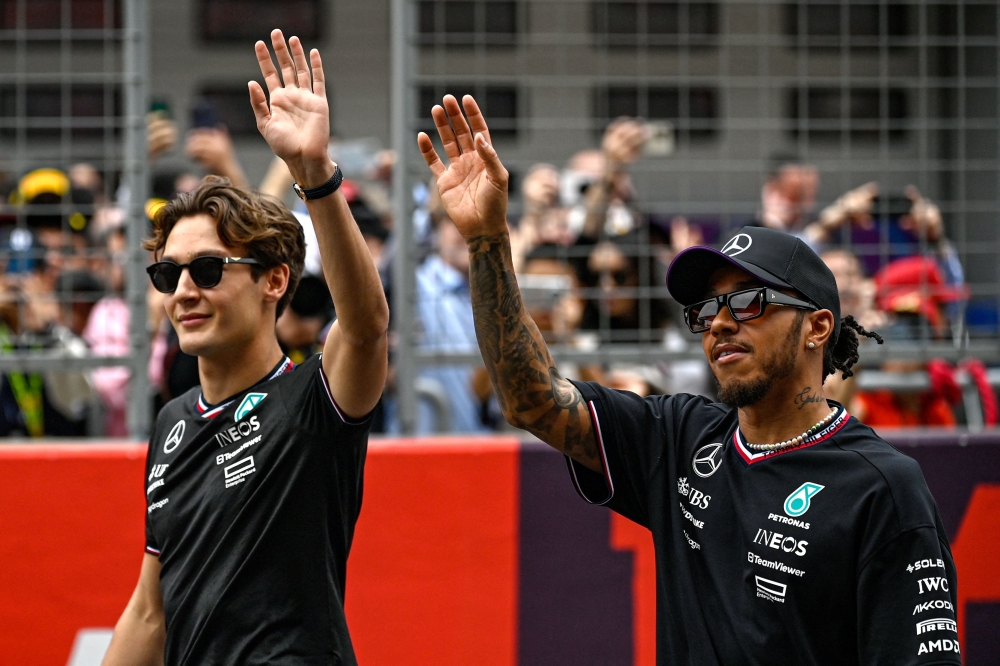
[(590, 265)]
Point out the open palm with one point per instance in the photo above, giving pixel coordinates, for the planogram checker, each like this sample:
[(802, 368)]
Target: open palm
[(296, 124), (473, 186)]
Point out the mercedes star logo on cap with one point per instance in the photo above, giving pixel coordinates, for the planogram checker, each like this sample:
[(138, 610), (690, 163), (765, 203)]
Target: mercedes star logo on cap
[(738, 244)]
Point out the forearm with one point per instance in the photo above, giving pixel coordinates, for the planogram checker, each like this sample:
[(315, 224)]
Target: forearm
[(137, 641), (596, 201), (530, 391), (362, 311)]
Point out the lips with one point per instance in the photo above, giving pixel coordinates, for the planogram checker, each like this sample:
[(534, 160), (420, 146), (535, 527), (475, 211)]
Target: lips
[(192, 319), (729, 352)]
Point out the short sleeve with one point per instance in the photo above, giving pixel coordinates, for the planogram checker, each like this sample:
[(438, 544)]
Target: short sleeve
[(906, 602), (311, 404), (152, 547), (632, 434)]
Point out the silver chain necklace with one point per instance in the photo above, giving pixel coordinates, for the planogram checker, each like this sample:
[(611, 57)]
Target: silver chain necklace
[(795, 441)]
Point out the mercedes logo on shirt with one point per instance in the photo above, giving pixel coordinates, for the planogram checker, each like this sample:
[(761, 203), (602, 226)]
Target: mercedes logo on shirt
[(174, 438), (707, 460), (738, 244)]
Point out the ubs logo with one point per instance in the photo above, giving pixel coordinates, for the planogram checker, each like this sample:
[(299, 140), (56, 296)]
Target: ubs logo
[(707, 460), (738, 244), (174, 437)]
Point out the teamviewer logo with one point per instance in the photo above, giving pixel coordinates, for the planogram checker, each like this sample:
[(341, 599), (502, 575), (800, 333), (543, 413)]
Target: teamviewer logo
[(770, 589)]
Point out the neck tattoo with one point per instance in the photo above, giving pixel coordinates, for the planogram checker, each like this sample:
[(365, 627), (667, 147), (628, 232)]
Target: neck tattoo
[(804, 398), (795, 441)]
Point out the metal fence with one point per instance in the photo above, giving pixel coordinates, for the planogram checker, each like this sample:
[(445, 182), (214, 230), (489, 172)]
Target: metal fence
[(73, 81), (847, 92), (740, 100)]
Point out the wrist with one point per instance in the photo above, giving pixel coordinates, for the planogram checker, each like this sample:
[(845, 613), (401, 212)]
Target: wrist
[(310, 174)]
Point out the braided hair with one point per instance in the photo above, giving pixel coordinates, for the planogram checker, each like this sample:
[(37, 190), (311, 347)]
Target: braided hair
[(843, 355)]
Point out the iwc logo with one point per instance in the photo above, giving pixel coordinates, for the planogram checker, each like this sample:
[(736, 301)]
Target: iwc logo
[(707, 460), (738, 244), (250, 401), (174, 437), (798, 502)]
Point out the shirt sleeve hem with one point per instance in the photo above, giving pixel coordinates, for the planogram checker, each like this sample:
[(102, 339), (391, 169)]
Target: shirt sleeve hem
[(343, 417), (152, 551), (589, 490)]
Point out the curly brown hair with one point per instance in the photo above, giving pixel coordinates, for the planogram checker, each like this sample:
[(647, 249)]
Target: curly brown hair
[(260, 223)]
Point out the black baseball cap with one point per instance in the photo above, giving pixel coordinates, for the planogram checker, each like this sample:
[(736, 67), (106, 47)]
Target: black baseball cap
[(774, 257)]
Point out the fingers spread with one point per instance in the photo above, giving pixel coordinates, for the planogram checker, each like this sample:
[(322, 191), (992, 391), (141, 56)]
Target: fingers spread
[(448, 139), (259, 103), (284, 59), (430, 155), (476, 118), (301, 65), (462, 131), (319, 79), (271, 78)]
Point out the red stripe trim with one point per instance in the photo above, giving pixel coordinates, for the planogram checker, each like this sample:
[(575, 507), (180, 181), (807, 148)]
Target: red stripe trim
[(604, 461), (336, 407), (841, 421), (152, 551)]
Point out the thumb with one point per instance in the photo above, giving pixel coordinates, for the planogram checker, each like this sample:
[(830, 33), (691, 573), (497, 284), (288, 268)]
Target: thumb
[(494, 169)]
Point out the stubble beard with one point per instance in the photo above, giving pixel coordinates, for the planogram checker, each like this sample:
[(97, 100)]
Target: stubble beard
[(738, 393)]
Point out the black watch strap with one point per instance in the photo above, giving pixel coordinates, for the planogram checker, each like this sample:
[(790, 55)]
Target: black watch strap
[(324, 190)]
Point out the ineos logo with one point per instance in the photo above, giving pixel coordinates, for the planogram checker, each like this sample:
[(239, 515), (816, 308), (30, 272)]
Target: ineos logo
[(174, 438), (738, 244), (707, 460)]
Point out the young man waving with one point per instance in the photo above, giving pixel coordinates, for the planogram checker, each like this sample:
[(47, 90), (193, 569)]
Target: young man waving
[(786, 532), (254, 479)]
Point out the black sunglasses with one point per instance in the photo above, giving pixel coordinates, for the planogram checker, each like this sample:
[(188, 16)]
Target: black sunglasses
[(206, 272), (743, 305)]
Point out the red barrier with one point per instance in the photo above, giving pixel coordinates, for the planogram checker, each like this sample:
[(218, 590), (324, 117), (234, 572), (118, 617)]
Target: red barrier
[(433, 572)]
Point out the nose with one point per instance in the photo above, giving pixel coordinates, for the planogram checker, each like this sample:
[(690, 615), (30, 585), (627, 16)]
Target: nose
[(186, 288), (724, 323)]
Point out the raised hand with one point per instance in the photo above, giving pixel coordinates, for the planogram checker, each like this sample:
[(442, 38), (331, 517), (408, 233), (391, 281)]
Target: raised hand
[(473, 186), (296, 125)]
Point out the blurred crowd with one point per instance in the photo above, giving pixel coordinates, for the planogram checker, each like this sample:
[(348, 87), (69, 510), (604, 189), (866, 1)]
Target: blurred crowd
[(591, 266)]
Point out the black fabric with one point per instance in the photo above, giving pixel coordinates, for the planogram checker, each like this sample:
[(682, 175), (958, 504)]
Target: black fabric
[(254, 573), (775, 257), (754, 566)]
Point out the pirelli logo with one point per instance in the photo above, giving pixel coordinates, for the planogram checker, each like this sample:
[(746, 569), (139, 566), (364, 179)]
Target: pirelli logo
[(936, 624)]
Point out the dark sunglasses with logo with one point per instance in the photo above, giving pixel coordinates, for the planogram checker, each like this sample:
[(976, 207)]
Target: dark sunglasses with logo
[(206, 272), (743, 306)]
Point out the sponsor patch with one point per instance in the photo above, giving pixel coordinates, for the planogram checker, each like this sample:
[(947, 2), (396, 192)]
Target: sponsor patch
[(771, 590), (798, 502), (239, 471), (937, 624)]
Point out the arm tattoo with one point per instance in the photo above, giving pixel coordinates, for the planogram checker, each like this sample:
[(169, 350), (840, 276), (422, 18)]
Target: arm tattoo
[(531, 392)]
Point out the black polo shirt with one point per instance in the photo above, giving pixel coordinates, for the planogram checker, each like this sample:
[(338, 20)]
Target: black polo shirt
[(251, 507), (829, 553)]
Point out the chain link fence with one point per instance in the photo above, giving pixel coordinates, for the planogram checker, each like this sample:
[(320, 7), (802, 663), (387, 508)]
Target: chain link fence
[(754, 112), (73, 175)]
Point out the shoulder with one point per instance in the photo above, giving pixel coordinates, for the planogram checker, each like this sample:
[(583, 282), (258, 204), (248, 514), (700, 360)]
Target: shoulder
[(676, 407), (180, 407), (898, 477)]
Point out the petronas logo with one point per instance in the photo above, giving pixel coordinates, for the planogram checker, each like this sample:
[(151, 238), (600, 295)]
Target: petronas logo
[(250, 401), (798, 502)]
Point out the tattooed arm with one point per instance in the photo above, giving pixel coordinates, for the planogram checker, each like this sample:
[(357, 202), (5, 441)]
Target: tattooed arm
[(473, 188)]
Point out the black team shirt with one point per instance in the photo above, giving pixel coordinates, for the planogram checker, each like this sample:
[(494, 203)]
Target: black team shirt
[(829, 553), (251, 506)]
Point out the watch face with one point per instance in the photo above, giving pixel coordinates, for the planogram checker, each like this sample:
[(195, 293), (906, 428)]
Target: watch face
[(298, 191)]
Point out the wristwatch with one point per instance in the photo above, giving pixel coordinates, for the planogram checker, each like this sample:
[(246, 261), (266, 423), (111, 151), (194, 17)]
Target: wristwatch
[(324, 190)]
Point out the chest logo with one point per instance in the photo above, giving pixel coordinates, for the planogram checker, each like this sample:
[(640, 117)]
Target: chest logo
[(250, 401), (707, 460), (174, 437), (798, 502)]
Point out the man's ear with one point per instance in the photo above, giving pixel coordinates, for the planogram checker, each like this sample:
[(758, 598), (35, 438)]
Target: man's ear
[(275, 282), (820, 325)]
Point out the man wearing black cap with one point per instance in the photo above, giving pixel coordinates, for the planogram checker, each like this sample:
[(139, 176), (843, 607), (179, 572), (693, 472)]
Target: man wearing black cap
[(786, 532)]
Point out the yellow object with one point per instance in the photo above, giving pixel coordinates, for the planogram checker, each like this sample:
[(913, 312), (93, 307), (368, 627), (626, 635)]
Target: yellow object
[(153, 207), (41, 181)]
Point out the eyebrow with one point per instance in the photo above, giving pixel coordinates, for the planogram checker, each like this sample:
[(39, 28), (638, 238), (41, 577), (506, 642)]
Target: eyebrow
[(741, 285), (202, 253)]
